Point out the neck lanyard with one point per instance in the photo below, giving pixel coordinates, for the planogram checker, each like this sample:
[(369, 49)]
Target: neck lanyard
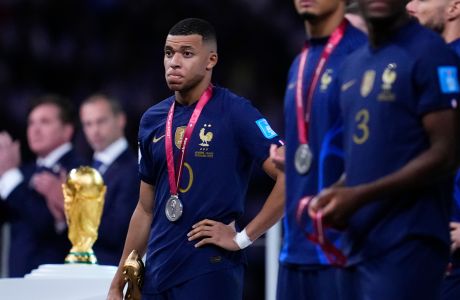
[(303, 117), (334, 256), (173, 179)]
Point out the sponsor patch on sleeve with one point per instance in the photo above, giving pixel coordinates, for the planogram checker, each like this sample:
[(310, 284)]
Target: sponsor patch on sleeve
[(448, 79), (267, 131)]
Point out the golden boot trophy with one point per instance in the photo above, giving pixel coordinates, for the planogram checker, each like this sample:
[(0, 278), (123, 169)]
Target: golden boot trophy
[(133, 274), (84, 193)]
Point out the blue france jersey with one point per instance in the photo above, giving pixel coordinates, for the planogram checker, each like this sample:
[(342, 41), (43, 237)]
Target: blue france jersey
[(455, 45), (396, 85), (229, 137), (324, 140)]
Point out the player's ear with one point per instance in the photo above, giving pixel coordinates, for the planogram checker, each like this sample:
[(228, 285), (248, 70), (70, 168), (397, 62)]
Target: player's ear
[(212, 60), (453, 10)]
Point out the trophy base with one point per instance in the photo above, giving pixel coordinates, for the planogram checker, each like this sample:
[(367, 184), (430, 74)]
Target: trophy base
[(81, 257)]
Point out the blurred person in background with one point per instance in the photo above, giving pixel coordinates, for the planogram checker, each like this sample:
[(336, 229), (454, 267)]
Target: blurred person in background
[(32, 192), (353, 14), (103, 122), (314, 155), (399, 103), (194, 181), (443, 16)]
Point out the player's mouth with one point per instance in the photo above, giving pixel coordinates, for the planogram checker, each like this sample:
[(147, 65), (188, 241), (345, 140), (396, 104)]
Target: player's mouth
[(377, 4), (306, 3), (174, 76)]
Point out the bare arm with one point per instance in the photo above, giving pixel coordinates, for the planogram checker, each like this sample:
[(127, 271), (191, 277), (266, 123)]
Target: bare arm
[(138, 233), (273, 209), (440, 159), (455, 236), (213, 232)]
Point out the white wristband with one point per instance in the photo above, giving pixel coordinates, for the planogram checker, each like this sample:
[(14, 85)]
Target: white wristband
[(242, 239)]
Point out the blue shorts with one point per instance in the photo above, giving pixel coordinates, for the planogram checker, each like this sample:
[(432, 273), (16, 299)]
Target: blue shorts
[(412, 270), (308, 282), (226, 284)]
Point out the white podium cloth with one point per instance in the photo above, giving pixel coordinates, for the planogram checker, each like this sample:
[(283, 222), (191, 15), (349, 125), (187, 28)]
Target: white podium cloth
[(60, 282)]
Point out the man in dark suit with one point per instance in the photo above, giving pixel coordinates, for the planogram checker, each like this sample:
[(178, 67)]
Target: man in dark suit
[(103, 124), (31, 193)]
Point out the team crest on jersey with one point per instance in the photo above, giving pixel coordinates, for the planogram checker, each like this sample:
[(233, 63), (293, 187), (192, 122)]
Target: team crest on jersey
[(448, 79), (206, 136), (179, 136), (367, 83), (326, 79), (388, 79)]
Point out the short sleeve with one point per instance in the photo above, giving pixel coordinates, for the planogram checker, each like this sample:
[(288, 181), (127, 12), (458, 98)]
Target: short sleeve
[(144, 154), (252, 131), (436, 81)]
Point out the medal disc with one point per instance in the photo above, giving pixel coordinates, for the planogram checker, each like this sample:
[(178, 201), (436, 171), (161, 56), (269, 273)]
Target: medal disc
[(303, 158), (174, 208)]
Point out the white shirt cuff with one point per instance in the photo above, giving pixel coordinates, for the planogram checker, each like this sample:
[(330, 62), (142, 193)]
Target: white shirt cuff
[(9, 181)]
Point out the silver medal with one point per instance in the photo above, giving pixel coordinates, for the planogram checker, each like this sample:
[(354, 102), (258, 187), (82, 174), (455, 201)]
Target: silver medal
[(174, 208), (303, 158)]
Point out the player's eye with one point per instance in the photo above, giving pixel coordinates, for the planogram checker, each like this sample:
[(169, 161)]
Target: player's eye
[(168, 53), (188, 53)]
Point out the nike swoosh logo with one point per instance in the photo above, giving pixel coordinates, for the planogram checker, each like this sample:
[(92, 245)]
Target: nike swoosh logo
[(157, 139), (348, 85)]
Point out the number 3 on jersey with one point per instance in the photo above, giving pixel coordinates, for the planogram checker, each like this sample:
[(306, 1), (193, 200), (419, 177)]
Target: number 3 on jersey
[(362, 134)]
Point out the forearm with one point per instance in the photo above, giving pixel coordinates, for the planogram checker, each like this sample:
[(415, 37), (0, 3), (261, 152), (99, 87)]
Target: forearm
[(271, 212), (138, 233), (436, 162)]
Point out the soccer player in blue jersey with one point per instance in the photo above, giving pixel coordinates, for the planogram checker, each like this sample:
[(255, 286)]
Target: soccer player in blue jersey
[(197, 149), (443, 16), (314, 156), (398, 99)]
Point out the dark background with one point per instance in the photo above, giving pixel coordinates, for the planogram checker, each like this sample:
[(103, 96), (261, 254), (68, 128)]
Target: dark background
[(78, 47)]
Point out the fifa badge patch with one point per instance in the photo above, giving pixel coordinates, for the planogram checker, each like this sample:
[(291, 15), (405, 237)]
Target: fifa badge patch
[(267, 131), (448, 79)]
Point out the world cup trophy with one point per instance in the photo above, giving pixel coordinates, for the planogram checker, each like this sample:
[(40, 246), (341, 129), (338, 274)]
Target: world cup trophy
[(84, 192)]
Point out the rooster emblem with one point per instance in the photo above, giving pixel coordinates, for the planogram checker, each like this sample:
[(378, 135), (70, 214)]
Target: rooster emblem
[(205, 137)]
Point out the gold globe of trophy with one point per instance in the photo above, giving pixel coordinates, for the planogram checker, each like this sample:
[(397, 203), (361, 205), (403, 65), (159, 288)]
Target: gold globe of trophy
[(84, 192)]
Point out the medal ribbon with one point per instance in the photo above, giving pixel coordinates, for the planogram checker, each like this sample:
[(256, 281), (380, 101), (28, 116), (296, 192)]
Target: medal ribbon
[(303, 122), (173, 181), (334, 256)]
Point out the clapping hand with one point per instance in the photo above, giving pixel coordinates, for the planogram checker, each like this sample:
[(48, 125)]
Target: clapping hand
[(50, 187), (10, 154)]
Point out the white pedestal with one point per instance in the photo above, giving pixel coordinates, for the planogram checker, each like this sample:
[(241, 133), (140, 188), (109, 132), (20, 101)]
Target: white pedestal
[(60, 282)]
